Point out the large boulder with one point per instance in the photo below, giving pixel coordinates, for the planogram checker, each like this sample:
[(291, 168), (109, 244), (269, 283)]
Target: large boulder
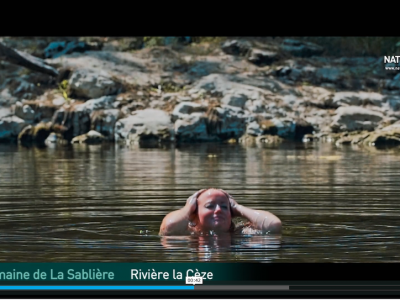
[(20, 88), (254, 129), (286, 127), (145, 127), (393, 102), (71, 121), (192, 128), (103, 121), (77, 119), (300, 48), (256, 106), (226, 122), (105, 102), (92, 137), (10, 127), (234, 100), (34, 134), (389, 135), (394, 84), (355, 99), (35, 111), (186, 108), (236, 47), (262, 58), (328, 75), (88, 84), (218, 124), (353, 118), (220, 84), (24, 112)]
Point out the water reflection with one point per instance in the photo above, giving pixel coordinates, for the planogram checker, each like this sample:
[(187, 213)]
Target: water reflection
[(106, 202), (225, 247)]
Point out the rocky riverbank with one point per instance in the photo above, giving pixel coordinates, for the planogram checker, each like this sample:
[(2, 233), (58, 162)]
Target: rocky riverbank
[(241, 90)]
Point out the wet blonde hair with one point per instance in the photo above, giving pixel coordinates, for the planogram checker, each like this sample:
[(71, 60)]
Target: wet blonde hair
[(193, 225)]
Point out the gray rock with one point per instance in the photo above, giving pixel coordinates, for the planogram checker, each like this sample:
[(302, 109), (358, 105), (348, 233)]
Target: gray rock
[(186, 108), (355, 99), (24, 112), (301, 49), (353, 118), (24, 88), (11, 126), (221, 123), (78, 119), (105, 102), (168, 96), (52, 138), (203, 68), (394, 102), (148, 125), (36, 134), (5, 111), (355, 61), (57, 49), (254, 129), (255, 106), (192, 128), (289, 99), (59, 101), (232, 122), (393, 84), (173, 40), (262, 57), (220, 84), (319, 122), (89, 84), (234, 100), (330, 75), (257, 81), (184, 99), (387, 136), (92, 137), (236, 47), (104, 121), (6, 97), (286, 128)]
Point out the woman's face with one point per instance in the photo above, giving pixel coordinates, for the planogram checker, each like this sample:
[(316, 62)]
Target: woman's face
[(214, 211)]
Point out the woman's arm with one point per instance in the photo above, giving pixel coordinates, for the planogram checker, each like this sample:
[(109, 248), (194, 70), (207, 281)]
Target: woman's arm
[(176, 222), (260, 219)]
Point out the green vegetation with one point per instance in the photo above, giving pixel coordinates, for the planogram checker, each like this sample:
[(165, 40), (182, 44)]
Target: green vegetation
[(170, 87), (152, 41), (63, 88)]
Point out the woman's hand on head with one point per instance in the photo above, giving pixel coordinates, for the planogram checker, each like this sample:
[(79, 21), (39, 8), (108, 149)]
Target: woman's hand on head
[(234, 205), (191, 202)]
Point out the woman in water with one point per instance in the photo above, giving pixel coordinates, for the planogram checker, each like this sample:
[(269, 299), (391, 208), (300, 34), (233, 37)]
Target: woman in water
[(212, 210)]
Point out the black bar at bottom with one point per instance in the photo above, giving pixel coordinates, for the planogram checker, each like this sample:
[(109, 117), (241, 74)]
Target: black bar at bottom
[(344, 288)]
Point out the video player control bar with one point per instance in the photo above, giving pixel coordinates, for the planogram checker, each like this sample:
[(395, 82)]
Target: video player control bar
[(241, 288)]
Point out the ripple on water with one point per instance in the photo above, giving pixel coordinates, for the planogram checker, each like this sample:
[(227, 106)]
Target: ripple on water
[(106, 203)]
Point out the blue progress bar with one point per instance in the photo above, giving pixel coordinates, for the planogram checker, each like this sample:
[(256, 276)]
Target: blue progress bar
[(95, 287)]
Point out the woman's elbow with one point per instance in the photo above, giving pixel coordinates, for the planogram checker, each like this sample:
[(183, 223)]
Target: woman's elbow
[(168, 227), (275, 226)]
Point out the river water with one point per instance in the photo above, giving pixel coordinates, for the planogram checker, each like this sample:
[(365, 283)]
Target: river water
[(105, 203)]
